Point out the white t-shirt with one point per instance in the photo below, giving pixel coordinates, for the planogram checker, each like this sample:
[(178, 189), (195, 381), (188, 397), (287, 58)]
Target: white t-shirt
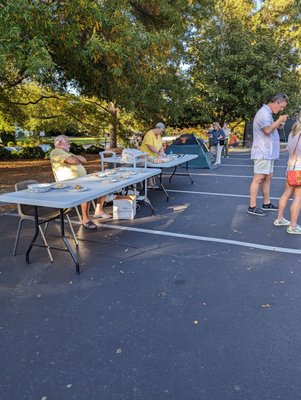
[(265, 147)]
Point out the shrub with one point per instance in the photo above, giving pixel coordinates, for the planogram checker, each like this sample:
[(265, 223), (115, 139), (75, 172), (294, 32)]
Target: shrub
[(47, 153), (31, 153), (7, 137), (4, 154), (76, 148), (94, 149)]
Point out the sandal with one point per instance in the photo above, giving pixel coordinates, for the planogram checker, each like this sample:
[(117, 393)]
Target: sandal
[(103, 215), (90, 225)]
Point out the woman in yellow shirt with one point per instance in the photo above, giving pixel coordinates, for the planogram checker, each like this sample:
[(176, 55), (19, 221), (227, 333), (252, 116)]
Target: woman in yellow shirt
[(152, 141)]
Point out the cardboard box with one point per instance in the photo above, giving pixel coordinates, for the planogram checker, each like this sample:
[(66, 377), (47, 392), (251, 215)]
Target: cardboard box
[(124, 207)]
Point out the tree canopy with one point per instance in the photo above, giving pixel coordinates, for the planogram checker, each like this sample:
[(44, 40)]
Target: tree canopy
[(185, 60)]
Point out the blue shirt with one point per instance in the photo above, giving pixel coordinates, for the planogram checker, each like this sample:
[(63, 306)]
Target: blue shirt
[(264, 147), (215, 134)]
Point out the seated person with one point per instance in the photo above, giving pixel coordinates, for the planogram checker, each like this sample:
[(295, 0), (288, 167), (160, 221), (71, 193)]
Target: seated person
[(233, 140), (152, 141), (66, 165)]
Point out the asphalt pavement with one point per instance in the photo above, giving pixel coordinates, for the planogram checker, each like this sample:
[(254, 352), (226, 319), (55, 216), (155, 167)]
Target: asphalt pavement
[(198, 302)]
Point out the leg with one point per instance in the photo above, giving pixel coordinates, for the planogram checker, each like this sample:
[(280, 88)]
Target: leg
[(257, 181), (226, 147), (99, 212), (85, 212), (266, 185), (219, 154), (295, 207), (99, 205), (288, 191)]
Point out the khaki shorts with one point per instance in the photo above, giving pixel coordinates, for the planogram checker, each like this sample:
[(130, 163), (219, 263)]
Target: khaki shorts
[(264, 167)]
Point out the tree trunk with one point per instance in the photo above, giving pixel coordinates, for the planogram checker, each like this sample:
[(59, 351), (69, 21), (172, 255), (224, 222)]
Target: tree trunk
[(113, 125)]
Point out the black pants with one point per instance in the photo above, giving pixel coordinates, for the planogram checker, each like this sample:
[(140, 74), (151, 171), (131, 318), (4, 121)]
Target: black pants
[(225, 149)]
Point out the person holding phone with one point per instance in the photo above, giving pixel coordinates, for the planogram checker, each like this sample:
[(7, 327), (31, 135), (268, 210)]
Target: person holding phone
[(265, 149)]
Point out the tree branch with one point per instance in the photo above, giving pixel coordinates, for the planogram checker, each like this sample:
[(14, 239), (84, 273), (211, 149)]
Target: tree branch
[(81, 122), (98, 105), (36, 101)]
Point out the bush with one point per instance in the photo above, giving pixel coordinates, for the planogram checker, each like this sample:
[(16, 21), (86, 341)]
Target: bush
[(7, 137), (94, 149), (4, 154), (47, 153), (76, 148), (31, 153)]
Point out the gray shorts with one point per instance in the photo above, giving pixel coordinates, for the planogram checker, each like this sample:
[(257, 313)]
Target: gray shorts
[(264, 167)]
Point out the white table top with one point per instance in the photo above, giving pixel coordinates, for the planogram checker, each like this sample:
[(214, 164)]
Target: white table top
[(176, 161), (96, 187)]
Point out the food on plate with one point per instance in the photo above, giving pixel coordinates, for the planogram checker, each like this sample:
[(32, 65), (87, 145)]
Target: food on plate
[(77, 187)]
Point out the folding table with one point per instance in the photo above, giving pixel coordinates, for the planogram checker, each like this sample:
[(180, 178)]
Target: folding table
[(63, 199)]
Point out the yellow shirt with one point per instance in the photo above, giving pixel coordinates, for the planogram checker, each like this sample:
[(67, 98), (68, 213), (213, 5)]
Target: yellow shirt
[(151, 139), (61, 169)]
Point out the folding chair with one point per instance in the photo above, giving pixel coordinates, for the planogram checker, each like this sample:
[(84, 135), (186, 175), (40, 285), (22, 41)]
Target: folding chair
[(26, 212)]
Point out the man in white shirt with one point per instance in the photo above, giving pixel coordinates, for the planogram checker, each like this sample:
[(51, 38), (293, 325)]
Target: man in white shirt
[(265, 149)]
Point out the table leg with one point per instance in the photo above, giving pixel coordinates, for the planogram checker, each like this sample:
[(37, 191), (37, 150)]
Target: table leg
[(162, 187), (174, 171), (183, 174), (36, 232), (67, 244)]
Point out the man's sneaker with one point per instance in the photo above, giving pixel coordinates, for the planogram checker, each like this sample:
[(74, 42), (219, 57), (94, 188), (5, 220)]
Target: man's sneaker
[(269, 207), (294, 231), (256, 211), (281, 222)]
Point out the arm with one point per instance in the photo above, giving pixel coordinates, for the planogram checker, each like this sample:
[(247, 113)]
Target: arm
[(270, 129), (154, 150), (221, 134), (75, 160)]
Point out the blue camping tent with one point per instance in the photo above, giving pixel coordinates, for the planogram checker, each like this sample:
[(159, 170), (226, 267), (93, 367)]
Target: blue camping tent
[(190, 144)]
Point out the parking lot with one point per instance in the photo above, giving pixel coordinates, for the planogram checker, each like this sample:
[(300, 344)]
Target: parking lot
[(198, 302)]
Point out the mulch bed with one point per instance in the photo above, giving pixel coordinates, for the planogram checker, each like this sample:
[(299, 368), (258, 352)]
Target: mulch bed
[(13, 171)]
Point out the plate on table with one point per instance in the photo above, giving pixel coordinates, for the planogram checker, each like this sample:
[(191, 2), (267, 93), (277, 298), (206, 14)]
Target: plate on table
[(113, 172), (132, 173), (59, 185), (39, 187), (100, 175), (76, 188)]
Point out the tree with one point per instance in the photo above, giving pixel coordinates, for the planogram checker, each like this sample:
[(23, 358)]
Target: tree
[(238, 59), (125, 53)]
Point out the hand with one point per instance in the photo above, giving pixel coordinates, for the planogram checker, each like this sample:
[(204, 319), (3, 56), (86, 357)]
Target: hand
[(283, 118)]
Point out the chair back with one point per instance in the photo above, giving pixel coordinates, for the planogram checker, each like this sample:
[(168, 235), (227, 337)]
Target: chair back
[(25, 210)]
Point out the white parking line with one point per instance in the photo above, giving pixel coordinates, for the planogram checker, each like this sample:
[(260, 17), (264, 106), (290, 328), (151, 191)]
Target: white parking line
[(230, 176), (214, 194), (205, 239), (249, 166)]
